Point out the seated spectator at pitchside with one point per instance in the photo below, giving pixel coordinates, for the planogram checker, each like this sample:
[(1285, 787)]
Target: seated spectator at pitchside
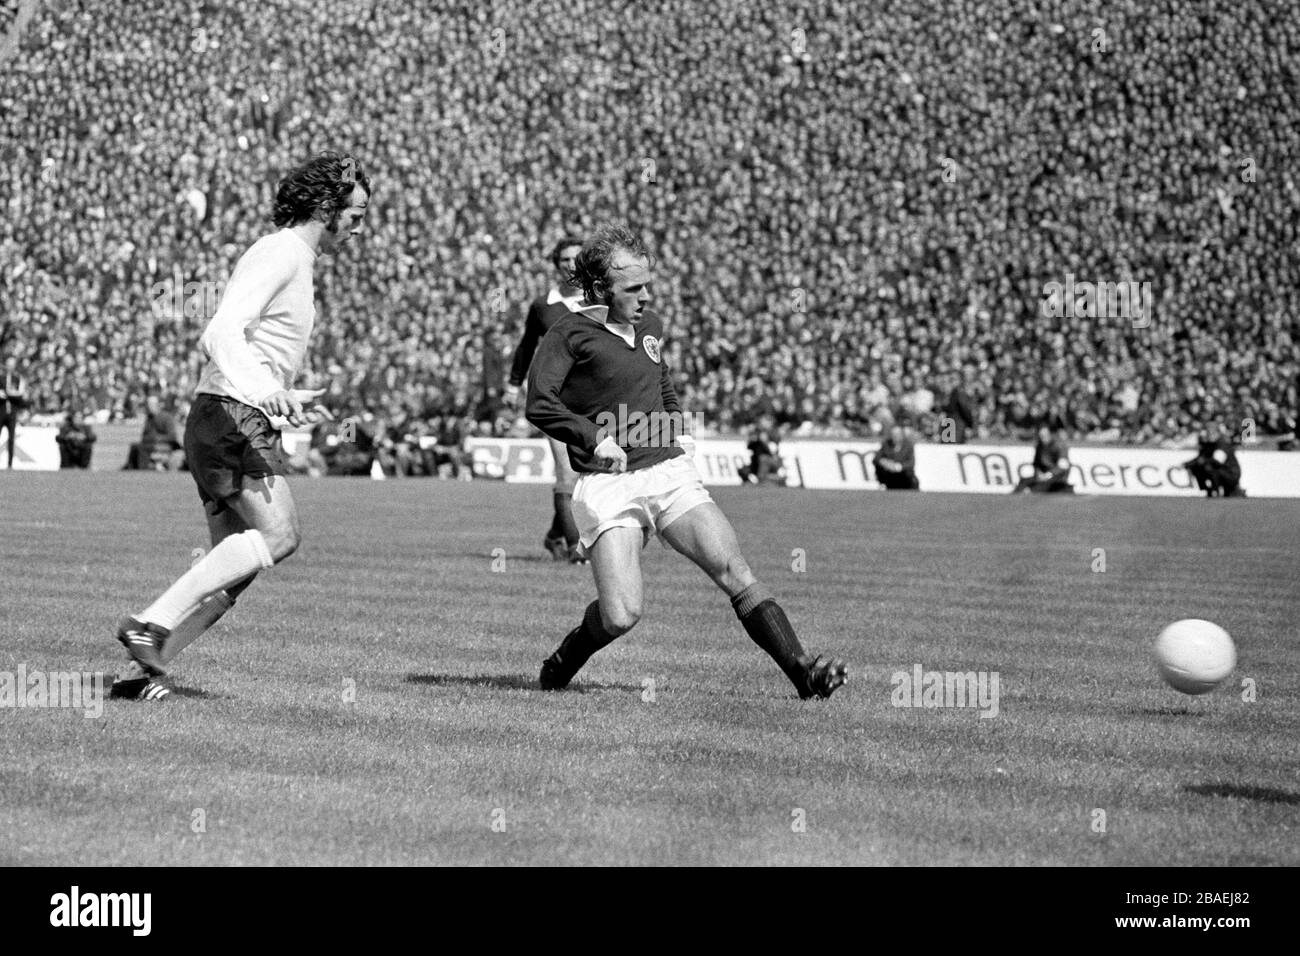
[(306, 459), (346, 448), (402, 445), (895, 462), (454, 458), (1215, 467), (1051, 473), (76, 440), (159, 447), (765, 467)]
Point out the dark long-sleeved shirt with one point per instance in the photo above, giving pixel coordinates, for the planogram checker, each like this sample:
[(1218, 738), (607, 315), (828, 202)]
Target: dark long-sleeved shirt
[(1052, 457), (13, 393), (73, 435), (903, 452), (543, 313), (159, 434), (1218, 456), (958, 408), (586, 377)]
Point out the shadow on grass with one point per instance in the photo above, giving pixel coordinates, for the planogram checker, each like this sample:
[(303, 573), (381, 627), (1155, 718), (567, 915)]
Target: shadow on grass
[(529, 558), (510, 682), (195, 693), (1164, 712), (1262, 794)]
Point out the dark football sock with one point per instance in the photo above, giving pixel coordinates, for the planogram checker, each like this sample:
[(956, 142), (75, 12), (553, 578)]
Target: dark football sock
[(584, 640), (564, 518), (198, 621), (239, 587), (770, 629)]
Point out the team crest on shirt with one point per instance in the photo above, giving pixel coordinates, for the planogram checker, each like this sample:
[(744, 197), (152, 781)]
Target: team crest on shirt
[(651, 345)]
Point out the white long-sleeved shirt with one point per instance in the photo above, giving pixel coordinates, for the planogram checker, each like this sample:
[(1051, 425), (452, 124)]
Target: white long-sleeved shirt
[(257, 341)]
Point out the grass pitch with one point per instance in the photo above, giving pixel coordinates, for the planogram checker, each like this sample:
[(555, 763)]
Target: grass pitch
[(374, 701)]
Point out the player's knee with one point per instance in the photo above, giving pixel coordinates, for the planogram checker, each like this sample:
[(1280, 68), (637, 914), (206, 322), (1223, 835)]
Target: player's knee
[(620, 617), (283, 541), (735, 575)]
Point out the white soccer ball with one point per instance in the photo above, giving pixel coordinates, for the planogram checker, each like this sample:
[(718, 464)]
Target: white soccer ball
[(1194, 656)]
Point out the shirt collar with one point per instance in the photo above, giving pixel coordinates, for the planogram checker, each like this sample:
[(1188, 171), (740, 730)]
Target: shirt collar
[(572, 301), (600, 313)]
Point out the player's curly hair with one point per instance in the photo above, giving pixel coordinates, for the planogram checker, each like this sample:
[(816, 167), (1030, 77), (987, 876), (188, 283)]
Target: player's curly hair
[(598, 253), (566, 242), (320, 188)]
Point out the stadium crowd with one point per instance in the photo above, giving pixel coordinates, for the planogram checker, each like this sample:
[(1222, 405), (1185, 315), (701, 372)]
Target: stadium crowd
[(855, 213)]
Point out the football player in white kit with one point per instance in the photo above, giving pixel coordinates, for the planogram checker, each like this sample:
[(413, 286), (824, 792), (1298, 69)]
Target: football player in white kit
[(255, 344)]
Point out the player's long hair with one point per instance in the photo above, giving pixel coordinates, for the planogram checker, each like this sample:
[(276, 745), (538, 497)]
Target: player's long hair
[(593, 263), (320, 188)]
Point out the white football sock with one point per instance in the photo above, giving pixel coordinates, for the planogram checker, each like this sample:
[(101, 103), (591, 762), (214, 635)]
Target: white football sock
[(234, 559)]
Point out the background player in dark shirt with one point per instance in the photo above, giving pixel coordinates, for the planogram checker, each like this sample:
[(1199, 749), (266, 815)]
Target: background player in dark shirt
[(598, 379), (562, 537), (160, 447)]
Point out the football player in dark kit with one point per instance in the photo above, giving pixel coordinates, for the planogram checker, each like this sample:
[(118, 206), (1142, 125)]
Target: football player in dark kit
[(603, 364), (563, 299)]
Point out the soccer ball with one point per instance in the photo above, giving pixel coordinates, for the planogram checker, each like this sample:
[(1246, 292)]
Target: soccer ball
[(1194, 656)]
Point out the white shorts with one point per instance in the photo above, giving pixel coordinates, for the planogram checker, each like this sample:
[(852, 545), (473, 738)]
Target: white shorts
[(650, 499)]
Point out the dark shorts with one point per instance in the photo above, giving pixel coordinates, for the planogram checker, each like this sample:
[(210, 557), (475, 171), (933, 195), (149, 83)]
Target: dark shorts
[(227, 441)]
